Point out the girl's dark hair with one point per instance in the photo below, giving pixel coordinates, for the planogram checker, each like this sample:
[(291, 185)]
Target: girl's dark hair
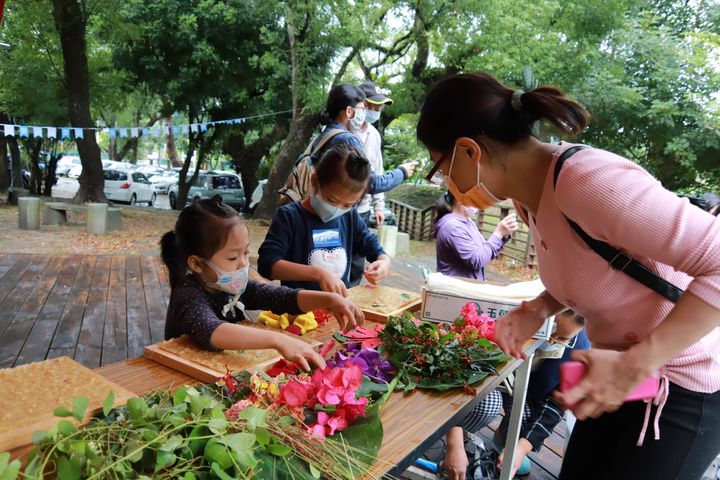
[(346, 164), (201, 229), (577, 318), (712, 203), (475, 104), (444, 205), (340, 97)]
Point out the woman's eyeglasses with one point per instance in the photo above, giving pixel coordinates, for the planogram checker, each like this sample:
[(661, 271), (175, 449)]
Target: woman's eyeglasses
[(434, 175)]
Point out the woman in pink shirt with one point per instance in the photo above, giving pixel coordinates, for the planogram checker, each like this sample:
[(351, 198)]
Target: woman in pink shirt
[(479, 135)]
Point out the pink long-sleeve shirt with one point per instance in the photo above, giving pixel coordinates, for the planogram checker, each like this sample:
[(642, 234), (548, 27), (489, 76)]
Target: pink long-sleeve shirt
[(617, 201)]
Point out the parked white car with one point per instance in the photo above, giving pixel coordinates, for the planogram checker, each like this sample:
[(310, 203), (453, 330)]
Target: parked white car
[(162, 181), (75, 171), (130, 187), (65, 164)]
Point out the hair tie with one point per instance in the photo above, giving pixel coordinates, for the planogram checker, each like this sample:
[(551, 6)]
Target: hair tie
[(516, 102)]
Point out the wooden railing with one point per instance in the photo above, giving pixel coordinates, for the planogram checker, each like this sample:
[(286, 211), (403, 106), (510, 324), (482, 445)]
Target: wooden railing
[(413, 221), (419, 225)]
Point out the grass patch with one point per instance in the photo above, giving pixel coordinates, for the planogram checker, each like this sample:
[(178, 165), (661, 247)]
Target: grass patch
[(418, 196)]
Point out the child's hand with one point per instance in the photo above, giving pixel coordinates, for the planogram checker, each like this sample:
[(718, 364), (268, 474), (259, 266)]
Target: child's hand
[(297, 351), (329, 282), (347, 314), (378, 270)]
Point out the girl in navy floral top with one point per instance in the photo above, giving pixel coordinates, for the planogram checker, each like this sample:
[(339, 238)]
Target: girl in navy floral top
[(207, 256)]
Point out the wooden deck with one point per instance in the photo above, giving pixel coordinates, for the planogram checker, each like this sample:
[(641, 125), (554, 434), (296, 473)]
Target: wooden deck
[(103, 309)]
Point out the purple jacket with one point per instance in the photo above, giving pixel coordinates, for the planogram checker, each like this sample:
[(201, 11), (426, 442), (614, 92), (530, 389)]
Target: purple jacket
[(461, 249)]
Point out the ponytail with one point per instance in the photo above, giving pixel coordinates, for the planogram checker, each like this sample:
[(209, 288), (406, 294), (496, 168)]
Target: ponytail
[(172, 258), (443, 205), (476, 104)]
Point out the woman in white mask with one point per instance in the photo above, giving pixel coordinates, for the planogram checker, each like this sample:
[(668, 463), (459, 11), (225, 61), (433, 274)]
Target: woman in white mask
[(639, 263)]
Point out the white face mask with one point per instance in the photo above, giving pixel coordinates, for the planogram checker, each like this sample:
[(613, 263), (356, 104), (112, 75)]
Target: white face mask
[(233, 282), (372, 116), (357, 121)]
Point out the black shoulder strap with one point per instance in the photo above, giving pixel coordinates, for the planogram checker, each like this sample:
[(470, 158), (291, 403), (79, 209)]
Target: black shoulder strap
[(617, 259)]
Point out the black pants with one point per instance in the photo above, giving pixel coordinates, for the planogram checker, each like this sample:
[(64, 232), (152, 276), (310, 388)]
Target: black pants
[(605, 448), (357, 266)]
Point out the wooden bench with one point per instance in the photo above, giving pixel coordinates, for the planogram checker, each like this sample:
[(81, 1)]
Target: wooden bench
[(56, 214)]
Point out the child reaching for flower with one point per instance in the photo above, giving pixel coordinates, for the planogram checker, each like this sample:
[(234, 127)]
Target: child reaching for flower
[(310, 243), (207, 256)]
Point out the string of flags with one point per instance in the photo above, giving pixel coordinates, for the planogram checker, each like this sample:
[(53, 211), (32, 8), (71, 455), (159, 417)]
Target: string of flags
[(70, 133)]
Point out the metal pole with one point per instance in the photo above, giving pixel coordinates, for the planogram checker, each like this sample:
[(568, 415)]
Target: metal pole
[(522, 376)]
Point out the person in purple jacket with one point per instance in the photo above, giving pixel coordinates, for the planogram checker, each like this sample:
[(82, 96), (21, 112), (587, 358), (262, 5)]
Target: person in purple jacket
[(461, 249)]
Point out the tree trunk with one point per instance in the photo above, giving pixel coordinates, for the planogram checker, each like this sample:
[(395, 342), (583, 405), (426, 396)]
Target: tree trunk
[(70, 23), (15, 163), (4, 167), (301, 130), (183, 183), (170, 149)]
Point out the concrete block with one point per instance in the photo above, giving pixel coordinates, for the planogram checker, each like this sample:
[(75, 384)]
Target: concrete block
[(97, 214), (29, 209), (54, 216), (403, 243), (114, 219)]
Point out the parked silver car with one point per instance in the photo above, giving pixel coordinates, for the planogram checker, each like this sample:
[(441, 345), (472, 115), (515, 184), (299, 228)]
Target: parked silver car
[(209, 184)]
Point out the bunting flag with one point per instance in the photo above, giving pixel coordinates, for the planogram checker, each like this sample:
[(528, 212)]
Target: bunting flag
[(77, 133)]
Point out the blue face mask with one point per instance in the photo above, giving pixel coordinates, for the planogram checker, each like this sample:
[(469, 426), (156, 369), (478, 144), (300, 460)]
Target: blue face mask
[(325, 211), (372, 116)]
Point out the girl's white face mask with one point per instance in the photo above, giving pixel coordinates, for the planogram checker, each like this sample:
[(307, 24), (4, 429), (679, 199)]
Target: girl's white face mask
[(233, 282)]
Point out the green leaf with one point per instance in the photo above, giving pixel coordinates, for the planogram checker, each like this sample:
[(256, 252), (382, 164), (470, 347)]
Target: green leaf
[(8, 470), (195, 444), (179, 396), (137, 406), (254, 416), (172, 443), (279, 450), (189, 476), (164, 459), (218, 470), (66, 428), (246, 459), (108, 403), (62, 412), (38, 437), (218, 423), (80, 404), (238, 442), (217, 453), (286, 420), (135, 449), (314, 471), (262, 436), (68, 469)]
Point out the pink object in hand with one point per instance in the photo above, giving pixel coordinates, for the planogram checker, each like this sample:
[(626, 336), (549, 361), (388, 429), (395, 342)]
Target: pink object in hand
[(571, 373)]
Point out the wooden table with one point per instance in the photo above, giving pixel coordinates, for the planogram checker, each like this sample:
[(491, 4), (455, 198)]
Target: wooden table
[(412, 423)]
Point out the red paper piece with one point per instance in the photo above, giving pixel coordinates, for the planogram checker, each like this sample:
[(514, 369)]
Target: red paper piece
[(294, 329), (327, 347)]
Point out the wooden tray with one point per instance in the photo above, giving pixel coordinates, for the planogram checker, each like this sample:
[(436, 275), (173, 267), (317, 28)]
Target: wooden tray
[(382, 317), (45, 382), (259, 360)]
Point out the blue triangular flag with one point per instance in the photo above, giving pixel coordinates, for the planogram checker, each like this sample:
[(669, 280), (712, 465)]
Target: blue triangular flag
[(64, 133), (79, 133), (52, 132), (184, 129), (37, 132), (123, 133), (24, 131), (193, 127), (134, 132), (111, 132), (145, 131), (155, 131), (203, 127), (176, 130)]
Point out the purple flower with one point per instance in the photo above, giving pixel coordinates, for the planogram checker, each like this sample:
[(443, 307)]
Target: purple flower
[(373, 365)]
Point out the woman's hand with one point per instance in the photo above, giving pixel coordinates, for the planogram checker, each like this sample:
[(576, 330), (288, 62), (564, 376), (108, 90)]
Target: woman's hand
[(297, 351), (523, 448), (329, 282), (455, 462), (378, 270), (347, 314), (507, 226), (610, 378), (516, 328)]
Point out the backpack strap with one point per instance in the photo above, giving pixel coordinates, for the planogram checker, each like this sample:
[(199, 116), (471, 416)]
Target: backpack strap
[(324, 138), (617, 259)]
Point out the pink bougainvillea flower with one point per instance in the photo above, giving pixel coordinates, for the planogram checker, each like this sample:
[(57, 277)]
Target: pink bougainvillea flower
[(295, 393), (370, 343)]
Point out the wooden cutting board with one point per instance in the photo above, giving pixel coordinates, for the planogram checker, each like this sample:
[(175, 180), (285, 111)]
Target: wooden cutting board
[(30, 394), (183, 355), (379, 302)]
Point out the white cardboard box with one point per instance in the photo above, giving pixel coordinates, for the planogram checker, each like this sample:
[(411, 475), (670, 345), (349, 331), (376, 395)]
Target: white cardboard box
[(445, 307)]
